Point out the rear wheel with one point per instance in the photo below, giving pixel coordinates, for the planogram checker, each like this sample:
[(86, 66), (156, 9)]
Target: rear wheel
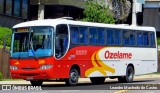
[(36, 82), (129, 75), (73, 77), (97, 80)]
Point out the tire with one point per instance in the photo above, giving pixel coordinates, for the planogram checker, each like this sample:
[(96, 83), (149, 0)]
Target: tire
[(97, 80), (36, 82), (129, 75), (73, 77)]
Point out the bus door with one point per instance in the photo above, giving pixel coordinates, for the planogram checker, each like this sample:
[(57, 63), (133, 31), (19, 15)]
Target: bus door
[(61, 40)]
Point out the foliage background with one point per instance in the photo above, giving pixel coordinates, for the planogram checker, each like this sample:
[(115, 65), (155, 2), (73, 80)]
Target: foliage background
[(0, 76), (4, 31), (97, 11), (158, 40)]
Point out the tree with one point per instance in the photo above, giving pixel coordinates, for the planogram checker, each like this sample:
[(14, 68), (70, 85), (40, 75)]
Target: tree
[(121, 9), (97, 11), (4, 31)]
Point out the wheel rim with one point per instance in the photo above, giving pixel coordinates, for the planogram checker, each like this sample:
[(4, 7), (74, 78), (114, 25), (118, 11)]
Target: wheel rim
[(73, 76), (130, 74)]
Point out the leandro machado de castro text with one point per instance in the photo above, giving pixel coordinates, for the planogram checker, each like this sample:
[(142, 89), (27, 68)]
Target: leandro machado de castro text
[(135, 87)]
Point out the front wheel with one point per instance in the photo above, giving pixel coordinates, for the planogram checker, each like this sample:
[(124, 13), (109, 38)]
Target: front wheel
[(129, 75), (36, 82), (73, 77)]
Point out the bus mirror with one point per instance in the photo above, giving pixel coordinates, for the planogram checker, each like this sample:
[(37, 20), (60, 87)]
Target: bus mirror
[(6, 39)]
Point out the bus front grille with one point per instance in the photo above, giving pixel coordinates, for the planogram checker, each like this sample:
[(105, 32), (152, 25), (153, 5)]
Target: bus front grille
[(28, 68)]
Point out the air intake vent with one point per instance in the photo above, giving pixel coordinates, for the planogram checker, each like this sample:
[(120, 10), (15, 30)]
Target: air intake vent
[(28, 68)]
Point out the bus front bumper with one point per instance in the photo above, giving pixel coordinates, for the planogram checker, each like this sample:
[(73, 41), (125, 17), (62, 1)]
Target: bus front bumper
[(33, 75)]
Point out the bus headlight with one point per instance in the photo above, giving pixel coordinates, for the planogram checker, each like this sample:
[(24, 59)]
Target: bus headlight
[(46, 67), (13, 67)]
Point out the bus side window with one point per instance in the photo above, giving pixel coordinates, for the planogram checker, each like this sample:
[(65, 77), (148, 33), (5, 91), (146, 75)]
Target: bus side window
[(146, 38), (93, 35), (117, 36), (132, 38), (126, 38), (139, 38), (83, 35), (74, 35), (110, 38), (152, 39), (101, 36)]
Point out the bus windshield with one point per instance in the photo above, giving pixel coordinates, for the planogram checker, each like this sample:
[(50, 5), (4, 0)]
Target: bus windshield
[(32, 42)]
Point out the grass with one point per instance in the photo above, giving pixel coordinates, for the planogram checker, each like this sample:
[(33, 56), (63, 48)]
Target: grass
[(12, 79), (155, 73), (0, 76)]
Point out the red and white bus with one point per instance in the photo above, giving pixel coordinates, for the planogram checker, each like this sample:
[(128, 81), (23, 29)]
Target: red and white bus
[(64, 50)]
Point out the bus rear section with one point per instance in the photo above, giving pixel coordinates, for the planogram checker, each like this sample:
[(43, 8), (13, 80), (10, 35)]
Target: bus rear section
[(114, 52)]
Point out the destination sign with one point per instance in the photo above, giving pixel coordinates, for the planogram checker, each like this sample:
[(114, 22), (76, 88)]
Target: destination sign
[(22, 29)]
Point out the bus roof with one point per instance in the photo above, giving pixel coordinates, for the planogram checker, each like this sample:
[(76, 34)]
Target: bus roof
[(54, 22)]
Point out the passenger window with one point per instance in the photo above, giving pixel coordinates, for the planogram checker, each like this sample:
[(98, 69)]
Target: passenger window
[(146, 38), (129, 38), (117, 36), (132, 40), (152, 39), (93, 35), (83, 36), (126, 38), (101, 36), (74, 35), (140, 39), (110, 38)]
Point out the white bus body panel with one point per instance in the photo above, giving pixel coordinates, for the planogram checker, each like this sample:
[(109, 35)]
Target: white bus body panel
[(144, 60)]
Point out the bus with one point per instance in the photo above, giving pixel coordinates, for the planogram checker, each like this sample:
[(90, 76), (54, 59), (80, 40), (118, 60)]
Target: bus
[(66, 50)]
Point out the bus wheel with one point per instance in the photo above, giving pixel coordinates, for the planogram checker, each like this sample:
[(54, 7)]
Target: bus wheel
[(97, 80), (73, 77), (36, 82), (129, 75)]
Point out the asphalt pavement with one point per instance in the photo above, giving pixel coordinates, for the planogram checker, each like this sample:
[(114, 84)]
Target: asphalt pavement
[(85, 86), (81, 80)]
